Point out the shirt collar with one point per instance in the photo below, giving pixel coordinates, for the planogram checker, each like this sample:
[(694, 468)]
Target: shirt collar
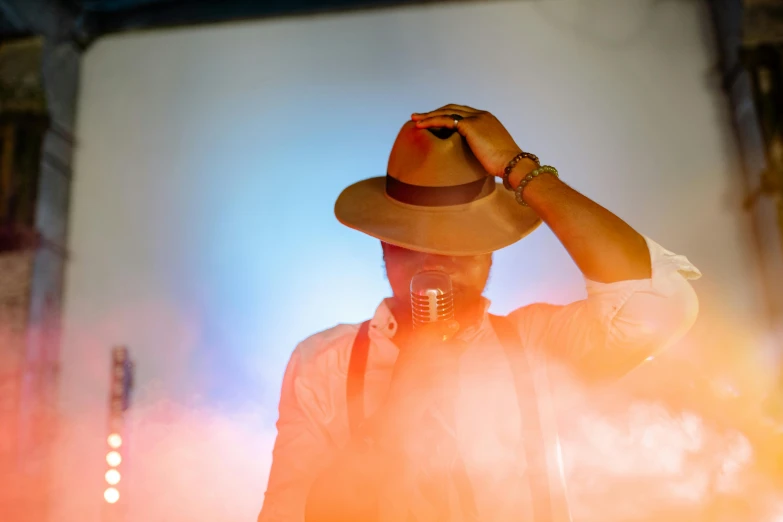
[(384, 322)]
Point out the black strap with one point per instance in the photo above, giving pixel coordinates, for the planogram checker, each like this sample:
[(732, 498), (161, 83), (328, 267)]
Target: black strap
[(532, 434), (355, 385)]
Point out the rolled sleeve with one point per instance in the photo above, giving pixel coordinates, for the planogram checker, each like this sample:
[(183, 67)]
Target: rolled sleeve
[(620, 324), (302, 449)]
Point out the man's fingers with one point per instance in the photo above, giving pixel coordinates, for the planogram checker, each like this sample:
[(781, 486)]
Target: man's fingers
[(454, 106), (441, 112), (446, 122)]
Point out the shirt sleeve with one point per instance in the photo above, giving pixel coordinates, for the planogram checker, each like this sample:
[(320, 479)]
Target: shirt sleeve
[(620, 324), (302, 450)]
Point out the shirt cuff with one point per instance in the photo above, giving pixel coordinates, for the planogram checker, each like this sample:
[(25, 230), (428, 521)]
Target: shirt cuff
[(668, 271)]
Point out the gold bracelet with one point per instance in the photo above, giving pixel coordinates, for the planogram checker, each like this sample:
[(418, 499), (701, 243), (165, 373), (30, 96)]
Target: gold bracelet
[(530, 177)]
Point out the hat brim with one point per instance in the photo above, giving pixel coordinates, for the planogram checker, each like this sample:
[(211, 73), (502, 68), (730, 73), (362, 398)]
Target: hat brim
[(489, 224)]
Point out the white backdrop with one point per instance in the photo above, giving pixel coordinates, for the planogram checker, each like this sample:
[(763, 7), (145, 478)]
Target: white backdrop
[(209, 159)]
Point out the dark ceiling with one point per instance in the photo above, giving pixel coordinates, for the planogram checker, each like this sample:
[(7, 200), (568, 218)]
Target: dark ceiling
[(86, 20)]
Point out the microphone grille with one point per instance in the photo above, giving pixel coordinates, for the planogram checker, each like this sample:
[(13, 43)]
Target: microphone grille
[(432, 297)]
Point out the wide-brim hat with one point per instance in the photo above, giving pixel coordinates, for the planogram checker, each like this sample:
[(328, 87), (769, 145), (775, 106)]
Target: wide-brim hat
[(437, 198)]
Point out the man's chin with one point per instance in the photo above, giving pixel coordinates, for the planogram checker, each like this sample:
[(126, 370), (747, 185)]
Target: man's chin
[(467, 301)]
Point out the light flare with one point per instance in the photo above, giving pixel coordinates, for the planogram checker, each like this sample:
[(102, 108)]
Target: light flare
[(111, 495), (113, 459), (114, 440), (113, 477)]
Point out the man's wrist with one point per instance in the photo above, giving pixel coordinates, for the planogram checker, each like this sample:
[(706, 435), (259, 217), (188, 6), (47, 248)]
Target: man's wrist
[(540, 184), (522, 169), (540, 188)]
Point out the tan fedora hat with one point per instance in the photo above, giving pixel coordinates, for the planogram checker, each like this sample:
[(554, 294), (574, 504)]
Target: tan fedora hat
[(436, 197)]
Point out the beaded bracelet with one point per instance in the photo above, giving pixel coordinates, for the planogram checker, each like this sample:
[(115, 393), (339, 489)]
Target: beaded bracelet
[(527, 179), (513, 163)]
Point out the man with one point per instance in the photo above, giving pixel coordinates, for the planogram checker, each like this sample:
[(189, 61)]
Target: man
[(455, 424)]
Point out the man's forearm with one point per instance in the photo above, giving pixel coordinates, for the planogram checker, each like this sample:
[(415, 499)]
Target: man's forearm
[(604, 247)]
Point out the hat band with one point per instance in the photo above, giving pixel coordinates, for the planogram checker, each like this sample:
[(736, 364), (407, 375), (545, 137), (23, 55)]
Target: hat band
[(439, 196)]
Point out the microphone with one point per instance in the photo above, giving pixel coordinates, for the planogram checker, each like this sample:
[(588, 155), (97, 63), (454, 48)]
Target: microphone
[(432, 301), (432, 297)]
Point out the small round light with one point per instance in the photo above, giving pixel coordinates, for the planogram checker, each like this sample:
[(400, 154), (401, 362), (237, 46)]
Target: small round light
[(113, 458), (650, 358), (114, 440), (111, 495), (113, 477)]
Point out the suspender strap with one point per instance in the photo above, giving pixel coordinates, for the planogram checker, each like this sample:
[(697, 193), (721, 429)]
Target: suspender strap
[(355, 385), (532, 435)]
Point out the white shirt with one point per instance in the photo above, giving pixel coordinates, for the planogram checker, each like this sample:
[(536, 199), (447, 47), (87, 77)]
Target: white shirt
[(618, 324)]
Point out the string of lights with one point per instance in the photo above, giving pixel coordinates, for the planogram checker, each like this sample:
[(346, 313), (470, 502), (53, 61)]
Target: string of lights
[(119, 402)]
